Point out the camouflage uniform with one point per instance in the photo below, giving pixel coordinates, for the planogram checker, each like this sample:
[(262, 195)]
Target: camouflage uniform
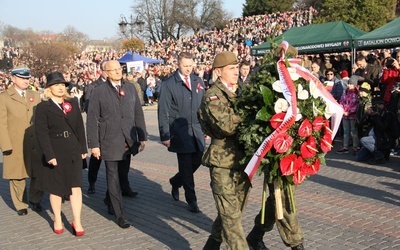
[(289, 227), (229, 184)]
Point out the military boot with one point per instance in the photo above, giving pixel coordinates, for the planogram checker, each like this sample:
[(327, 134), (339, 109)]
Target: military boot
[(298, 247), (254, 239), (212, 244)]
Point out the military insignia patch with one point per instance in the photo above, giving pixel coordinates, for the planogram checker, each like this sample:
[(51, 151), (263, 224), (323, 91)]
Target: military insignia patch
[(213, 98)]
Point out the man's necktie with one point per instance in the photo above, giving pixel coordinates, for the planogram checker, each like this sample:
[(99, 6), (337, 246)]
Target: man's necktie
[(23, 94), (118, 87), (187, 83)]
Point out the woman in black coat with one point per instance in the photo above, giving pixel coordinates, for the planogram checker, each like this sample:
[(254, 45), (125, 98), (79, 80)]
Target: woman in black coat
[(61, 136)]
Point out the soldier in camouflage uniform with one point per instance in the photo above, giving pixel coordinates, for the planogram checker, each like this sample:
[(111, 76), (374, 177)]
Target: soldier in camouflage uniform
[(229, 183)]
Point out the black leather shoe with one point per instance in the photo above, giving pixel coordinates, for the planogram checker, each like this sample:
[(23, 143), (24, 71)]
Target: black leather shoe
[(129, 193), (22, 212), (91, 189), (174, 191), (110, 208), (256, 244), (193, 207), (123, 223), (36, 207)]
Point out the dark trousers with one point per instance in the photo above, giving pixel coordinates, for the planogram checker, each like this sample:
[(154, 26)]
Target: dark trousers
[(123, 170), (188, 163), (113, 185)]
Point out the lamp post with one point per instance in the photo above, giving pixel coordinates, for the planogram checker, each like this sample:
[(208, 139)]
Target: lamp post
[(127, 28)]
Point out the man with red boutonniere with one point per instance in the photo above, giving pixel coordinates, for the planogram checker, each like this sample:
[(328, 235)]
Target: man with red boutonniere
[(115, 130), (21, 157), (61, 136), (296, 118), (180, 131)]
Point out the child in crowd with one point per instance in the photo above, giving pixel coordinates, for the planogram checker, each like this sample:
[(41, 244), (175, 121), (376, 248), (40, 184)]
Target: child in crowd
[(149, 93), (349, 102)]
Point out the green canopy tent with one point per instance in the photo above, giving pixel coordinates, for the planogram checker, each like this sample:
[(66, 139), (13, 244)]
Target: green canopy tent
[(318, 38), (387, 36)]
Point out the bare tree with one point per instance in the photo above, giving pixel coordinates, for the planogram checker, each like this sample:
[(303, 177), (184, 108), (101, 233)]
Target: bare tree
[(170, 19), (53, 55), (71, 35)]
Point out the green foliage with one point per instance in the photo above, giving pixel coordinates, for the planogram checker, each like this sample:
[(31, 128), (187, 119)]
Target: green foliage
[(365, 15), (255, 7), (255, 114), (260, 7)]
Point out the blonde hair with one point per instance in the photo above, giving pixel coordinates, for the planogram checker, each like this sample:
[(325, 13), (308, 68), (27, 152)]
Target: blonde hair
[(47, 95)]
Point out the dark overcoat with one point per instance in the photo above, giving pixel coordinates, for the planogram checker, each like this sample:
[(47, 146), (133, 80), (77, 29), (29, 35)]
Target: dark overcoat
[(60, 136), (177, 114), (115, 120)]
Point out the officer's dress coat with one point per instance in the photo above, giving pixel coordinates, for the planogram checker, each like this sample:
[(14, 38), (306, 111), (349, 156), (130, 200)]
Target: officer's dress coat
[(17, 134)]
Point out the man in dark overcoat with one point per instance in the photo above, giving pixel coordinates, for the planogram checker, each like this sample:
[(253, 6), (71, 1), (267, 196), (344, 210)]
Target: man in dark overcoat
[(115, 128), (180, 131), (94, 163)]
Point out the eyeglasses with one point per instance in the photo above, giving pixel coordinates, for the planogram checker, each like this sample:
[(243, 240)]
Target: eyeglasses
[(114, 70)]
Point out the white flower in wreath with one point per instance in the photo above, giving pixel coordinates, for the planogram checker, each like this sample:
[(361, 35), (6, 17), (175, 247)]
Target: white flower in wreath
[(299, 115), (315, 109), (328, 111), (302, 94), (293, 74), (314, 90), (277, 86), (281, 105)]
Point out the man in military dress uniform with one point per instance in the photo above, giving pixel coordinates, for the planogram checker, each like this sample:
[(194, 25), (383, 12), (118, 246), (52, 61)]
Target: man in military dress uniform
[(18, 142)]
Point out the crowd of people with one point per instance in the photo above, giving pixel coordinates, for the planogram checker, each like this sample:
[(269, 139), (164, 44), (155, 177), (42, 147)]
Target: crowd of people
[(238, 36), (195, 89)]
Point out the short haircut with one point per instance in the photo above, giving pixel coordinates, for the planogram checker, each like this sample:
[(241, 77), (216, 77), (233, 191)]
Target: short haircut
[(330, 70), (360, 58), (244, 63), (186, 55)]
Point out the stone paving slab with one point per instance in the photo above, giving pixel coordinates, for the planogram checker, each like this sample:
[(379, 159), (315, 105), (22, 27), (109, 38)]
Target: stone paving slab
[(347, 205)]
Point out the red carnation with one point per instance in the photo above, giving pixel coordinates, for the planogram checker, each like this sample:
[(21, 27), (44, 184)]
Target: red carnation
[(305, 128), (277, 119), (282, 143)]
